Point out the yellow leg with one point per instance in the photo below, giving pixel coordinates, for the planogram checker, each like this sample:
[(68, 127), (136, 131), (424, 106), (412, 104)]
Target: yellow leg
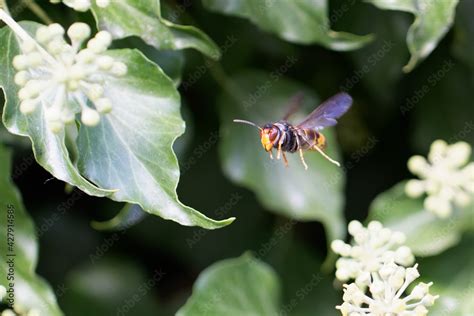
[(326, 156), (284, 159), (279, 150), (302, 160)]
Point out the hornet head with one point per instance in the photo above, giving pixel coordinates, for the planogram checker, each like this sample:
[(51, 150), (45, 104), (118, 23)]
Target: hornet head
[(268, 134)]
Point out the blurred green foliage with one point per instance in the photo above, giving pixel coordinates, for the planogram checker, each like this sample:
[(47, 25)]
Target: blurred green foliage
[(394, 116)]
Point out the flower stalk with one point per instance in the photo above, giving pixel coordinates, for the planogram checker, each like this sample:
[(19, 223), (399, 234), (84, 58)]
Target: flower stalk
[(22, 34)]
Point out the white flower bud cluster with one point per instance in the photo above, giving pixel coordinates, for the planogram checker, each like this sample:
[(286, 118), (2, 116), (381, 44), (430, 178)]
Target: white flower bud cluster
[(82, 5), (63, 78), (372, 247), (382, 293), (447, 178)]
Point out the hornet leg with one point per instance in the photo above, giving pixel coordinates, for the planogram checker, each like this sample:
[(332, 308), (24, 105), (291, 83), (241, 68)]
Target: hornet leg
[(279, 150), (284, 159), (326, 156), (271, 154), (301, 153), (302, 160)]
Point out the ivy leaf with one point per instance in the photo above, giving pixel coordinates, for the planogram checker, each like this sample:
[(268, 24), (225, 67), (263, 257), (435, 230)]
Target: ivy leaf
[(452, 274), (143, 18), (240, 286), (313, 194), (130, 151), (171, 61), (131, 148), (301, 22), (426, 233), (433, 19), (49, 148), (31, 292)]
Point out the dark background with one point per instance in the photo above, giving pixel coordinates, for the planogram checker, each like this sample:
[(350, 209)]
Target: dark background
[(66, 248)]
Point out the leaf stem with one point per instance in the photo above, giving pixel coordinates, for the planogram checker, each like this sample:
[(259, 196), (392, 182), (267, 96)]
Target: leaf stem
[(22, 34), (38, 11)]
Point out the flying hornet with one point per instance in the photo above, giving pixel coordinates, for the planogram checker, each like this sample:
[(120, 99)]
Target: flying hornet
[(285, 137)]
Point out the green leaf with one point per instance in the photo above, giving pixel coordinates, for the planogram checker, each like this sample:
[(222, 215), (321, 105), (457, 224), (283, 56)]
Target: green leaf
[(130, 151), (452, 274), (131, 148), (171, 61), (313, 194), (300, 21), (49, 149), (433, 19), (426, 233), (143, 18), (30, 290), (241, 286)]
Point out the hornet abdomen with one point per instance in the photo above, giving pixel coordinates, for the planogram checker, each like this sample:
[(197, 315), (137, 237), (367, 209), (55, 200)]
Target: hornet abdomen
[(293, 139)]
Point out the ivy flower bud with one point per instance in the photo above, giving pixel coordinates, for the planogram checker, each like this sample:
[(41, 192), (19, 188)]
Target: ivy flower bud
[(371, 247), (420, 310), (417, 164), (79, 32), (55, 30), (27, 106), (21, 78), (414, 188), (354, 227), (386, 295), (90, 117), (420, 290), (404, 256), (104, 38), (103, 105), (20, 62), (59, 76), (43, 35), (105, 62), (444, 178)]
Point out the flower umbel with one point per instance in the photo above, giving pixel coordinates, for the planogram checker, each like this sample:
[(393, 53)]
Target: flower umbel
[(82, 5), (63, 78), (372, 247), (446, 177), (383, 293)]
